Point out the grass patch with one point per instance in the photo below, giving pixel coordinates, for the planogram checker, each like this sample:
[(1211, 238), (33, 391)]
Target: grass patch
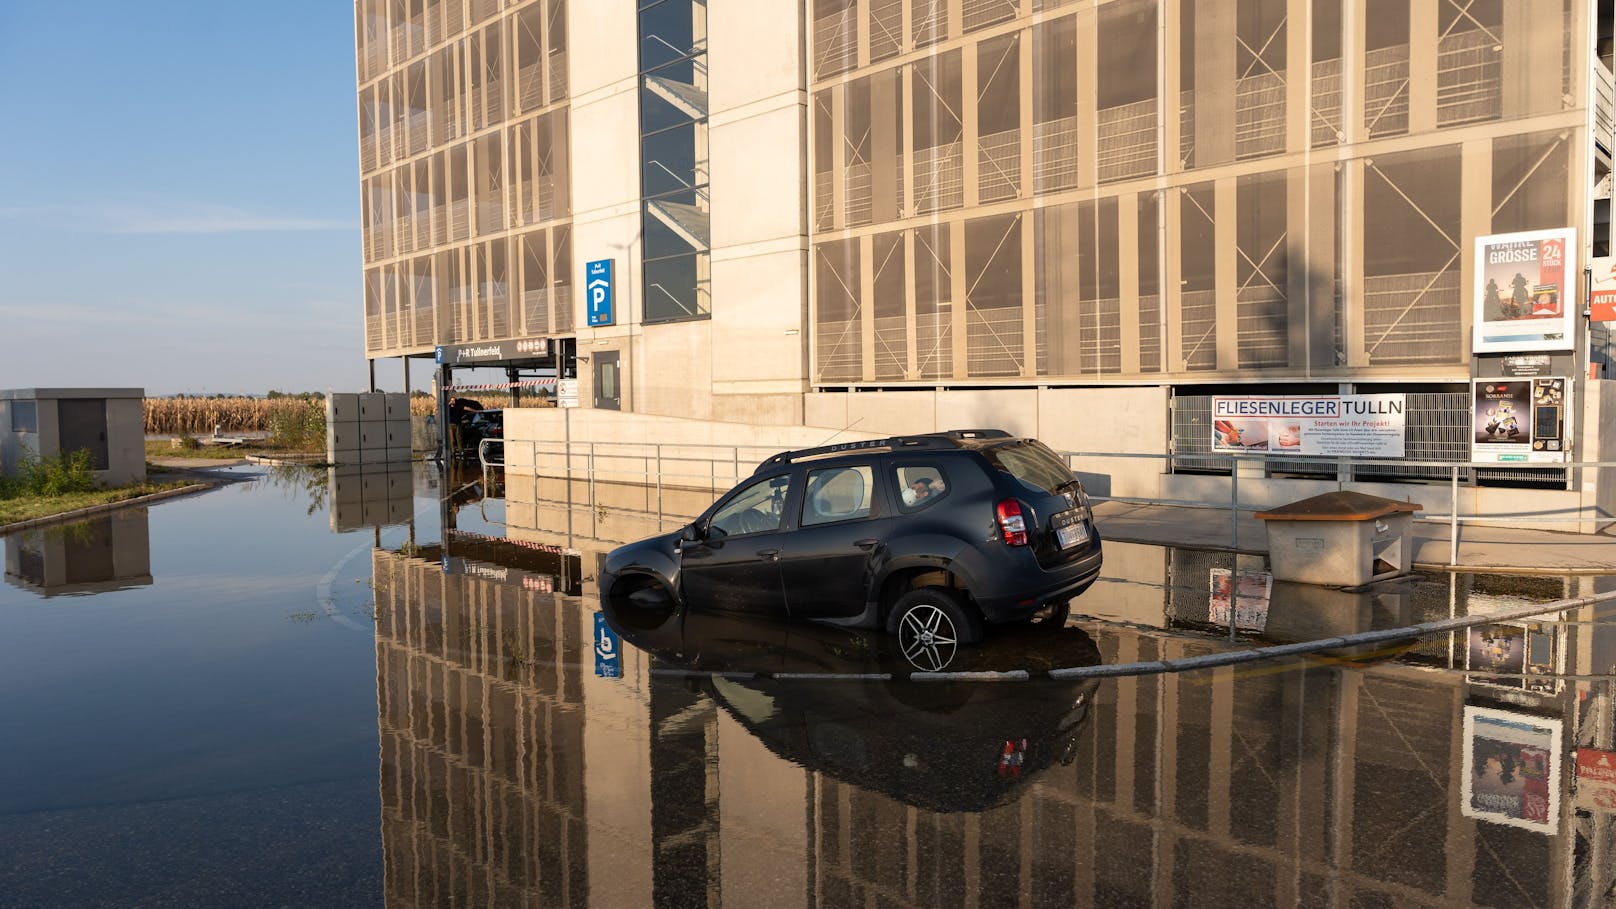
[(27, 506)]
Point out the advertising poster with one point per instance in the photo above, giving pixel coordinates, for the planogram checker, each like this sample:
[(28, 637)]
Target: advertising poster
[(1511, 769), (1596, 780), (1364, 426), (1602, 296), (1501, 419), (1497, 648), (1242, 597), (1525, 293), (1519, 421)]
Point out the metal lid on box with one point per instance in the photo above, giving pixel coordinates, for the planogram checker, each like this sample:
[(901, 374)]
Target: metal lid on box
[(1342, 505)]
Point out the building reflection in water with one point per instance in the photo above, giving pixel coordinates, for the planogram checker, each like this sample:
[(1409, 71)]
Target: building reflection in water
[(106, 553), (479, 652), (513, 773)]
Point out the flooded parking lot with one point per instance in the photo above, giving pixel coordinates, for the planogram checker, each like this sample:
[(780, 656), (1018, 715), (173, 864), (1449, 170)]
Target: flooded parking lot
[(309, 689)]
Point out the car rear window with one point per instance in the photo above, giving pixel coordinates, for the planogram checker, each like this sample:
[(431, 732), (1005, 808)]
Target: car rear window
[(1031, 463), (920, 486)]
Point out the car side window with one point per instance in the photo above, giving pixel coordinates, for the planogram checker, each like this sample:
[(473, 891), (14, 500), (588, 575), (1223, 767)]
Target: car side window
[(920, 486), (757, 508), (838, 494)]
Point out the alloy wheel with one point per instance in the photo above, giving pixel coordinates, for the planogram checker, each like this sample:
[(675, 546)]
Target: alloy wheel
[(927, 637)]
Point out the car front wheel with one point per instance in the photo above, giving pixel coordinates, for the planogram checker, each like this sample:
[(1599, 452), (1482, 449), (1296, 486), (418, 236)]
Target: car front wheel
[(931, 624)]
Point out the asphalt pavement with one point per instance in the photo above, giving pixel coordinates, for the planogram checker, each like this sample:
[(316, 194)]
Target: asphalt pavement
[(1486, 548)]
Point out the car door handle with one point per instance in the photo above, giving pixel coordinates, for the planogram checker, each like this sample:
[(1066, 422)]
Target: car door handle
[(867, 544), (768, 555)]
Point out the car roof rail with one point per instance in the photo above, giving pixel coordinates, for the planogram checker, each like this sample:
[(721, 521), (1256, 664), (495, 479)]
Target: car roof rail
[(949, 439)]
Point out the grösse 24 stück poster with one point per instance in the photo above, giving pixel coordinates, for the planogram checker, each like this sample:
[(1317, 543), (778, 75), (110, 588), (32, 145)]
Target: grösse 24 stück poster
[(1525, 291)]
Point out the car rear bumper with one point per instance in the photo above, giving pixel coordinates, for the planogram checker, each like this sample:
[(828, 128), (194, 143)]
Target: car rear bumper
[(1055, 585)]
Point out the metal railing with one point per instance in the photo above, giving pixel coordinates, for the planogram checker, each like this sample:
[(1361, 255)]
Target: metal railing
[(1345, 468), (711, 470)]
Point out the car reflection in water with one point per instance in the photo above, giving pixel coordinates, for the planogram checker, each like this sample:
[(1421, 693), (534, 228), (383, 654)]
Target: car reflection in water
[(842, 703)]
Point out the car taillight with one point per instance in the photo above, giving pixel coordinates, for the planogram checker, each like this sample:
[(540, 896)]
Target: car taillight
[(1011, 523)]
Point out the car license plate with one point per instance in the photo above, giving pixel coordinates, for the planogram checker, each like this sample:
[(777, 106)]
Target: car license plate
[(1073, 535)]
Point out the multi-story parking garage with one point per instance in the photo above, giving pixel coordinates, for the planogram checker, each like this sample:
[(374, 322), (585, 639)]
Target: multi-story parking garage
[(1084, 220)]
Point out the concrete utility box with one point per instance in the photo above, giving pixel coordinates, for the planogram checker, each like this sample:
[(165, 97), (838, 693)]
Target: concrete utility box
[(1340, 539), (109, 423)]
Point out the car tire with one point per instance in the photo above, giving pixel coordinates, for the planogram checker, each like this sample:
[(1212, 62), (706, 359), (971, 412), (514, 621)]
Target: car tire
[(930, 625)]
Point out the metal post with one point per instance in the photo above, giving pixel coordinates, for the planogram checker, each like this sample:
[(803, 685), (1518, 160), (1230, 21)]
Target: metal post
[(1453, 517), (735, 467), (594, 497), (659, 487), (1234, 502)]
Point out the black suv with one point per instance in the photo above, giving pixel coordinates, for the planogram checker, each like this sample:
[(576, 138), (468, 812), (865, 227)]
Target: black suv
[(926, 536)]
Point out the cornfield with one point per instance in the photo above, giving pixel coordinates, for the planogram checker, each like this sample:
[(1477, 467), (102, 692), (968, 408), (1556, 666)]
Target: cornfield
[(199, 416)]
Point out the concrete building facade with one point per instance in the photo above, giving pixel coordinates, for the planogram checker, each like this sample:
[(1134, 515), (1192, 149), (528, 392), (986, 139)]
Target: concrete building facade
[(1079, 220)]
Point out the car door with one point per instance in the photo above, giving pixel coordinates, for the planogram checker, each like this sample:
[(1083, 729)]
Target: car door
[(735, 566), (828, 560)]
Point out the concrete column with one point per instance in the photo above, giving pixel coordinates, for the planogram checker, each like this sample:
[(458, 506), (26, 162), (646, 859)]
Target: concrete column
[(1422, 60), (885, 179), (1351, 225), (957, 293), (1318, 251), (1297, 267), (1029, 285), (1024, 59), (1475, 220), (861, 23), (1531, 86), (838, 165), (906, 91), (1128, 273), (969, 151), (1226, 252), (1298, 78), (1215, 73), (1088, 116), (911, 345), (1354, 17), (866, 309), (1167, 87), (1172, 292)]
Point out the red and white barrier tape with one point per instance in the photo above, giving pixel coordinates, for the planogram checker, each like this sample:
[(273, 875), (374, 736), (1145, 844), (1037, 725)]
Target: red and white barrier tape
[(503, 386)]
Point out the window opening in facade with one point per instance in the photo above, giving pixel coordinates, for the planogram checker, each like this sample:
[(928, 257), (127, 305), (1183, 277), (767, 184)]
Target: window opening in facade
[(675, 219)]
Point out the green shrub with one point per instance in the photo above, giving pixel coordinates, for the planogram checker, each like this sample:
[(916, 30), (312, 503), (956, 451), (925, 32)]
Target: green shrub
[(63, 474), (300, 428), (190, 443)]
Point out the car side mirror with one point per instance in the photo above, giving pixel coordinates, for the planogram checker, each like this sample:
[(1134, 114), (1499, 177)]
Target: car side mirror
[(691, 533)]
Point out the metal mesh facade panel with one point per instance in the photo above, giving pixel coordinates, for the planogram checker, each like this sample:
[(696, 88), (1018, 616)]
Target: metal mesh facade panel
[(439, 209)]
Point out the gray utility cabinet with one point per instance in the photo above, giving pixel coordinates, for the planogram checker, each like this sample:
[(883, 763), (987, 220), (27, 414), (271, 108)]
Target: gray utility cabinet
[(109, 423), (1340, 539), (367, 428)]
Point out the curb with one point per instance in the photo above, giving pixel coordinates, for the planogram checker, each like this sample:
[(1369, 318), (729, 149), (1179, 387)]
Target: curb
[(278, 462), (92, 510)]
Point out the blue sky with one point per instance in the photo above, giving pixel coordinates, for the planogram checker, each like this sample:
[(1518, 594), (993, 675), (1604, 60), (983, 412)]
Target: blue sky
[(179, 197)]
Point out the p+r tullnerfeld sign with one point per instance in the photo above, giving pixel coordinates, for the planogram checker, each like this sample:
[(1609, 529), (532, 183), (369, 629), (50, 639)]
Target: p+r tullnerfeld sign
[(598, 291)]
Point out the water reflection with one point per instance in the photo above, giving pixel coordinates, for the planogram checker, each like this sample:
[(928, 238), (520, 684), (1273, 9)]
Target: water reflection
[(86, 557), (702, 770), (842, 703)]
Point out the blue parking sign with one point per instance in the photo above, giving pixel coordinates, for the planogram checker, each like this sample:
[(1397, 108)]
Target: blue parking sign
[(608, 650), (598, 291)]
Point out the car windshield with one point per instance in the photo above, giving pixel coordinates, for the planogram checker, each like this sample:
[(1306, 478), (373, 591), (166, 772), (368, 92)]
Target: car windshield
[(1032, 463)]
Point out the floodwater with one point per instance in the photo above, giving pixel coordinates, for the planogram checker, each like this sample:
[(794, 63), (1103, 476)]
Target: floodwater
[(310, 689)]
